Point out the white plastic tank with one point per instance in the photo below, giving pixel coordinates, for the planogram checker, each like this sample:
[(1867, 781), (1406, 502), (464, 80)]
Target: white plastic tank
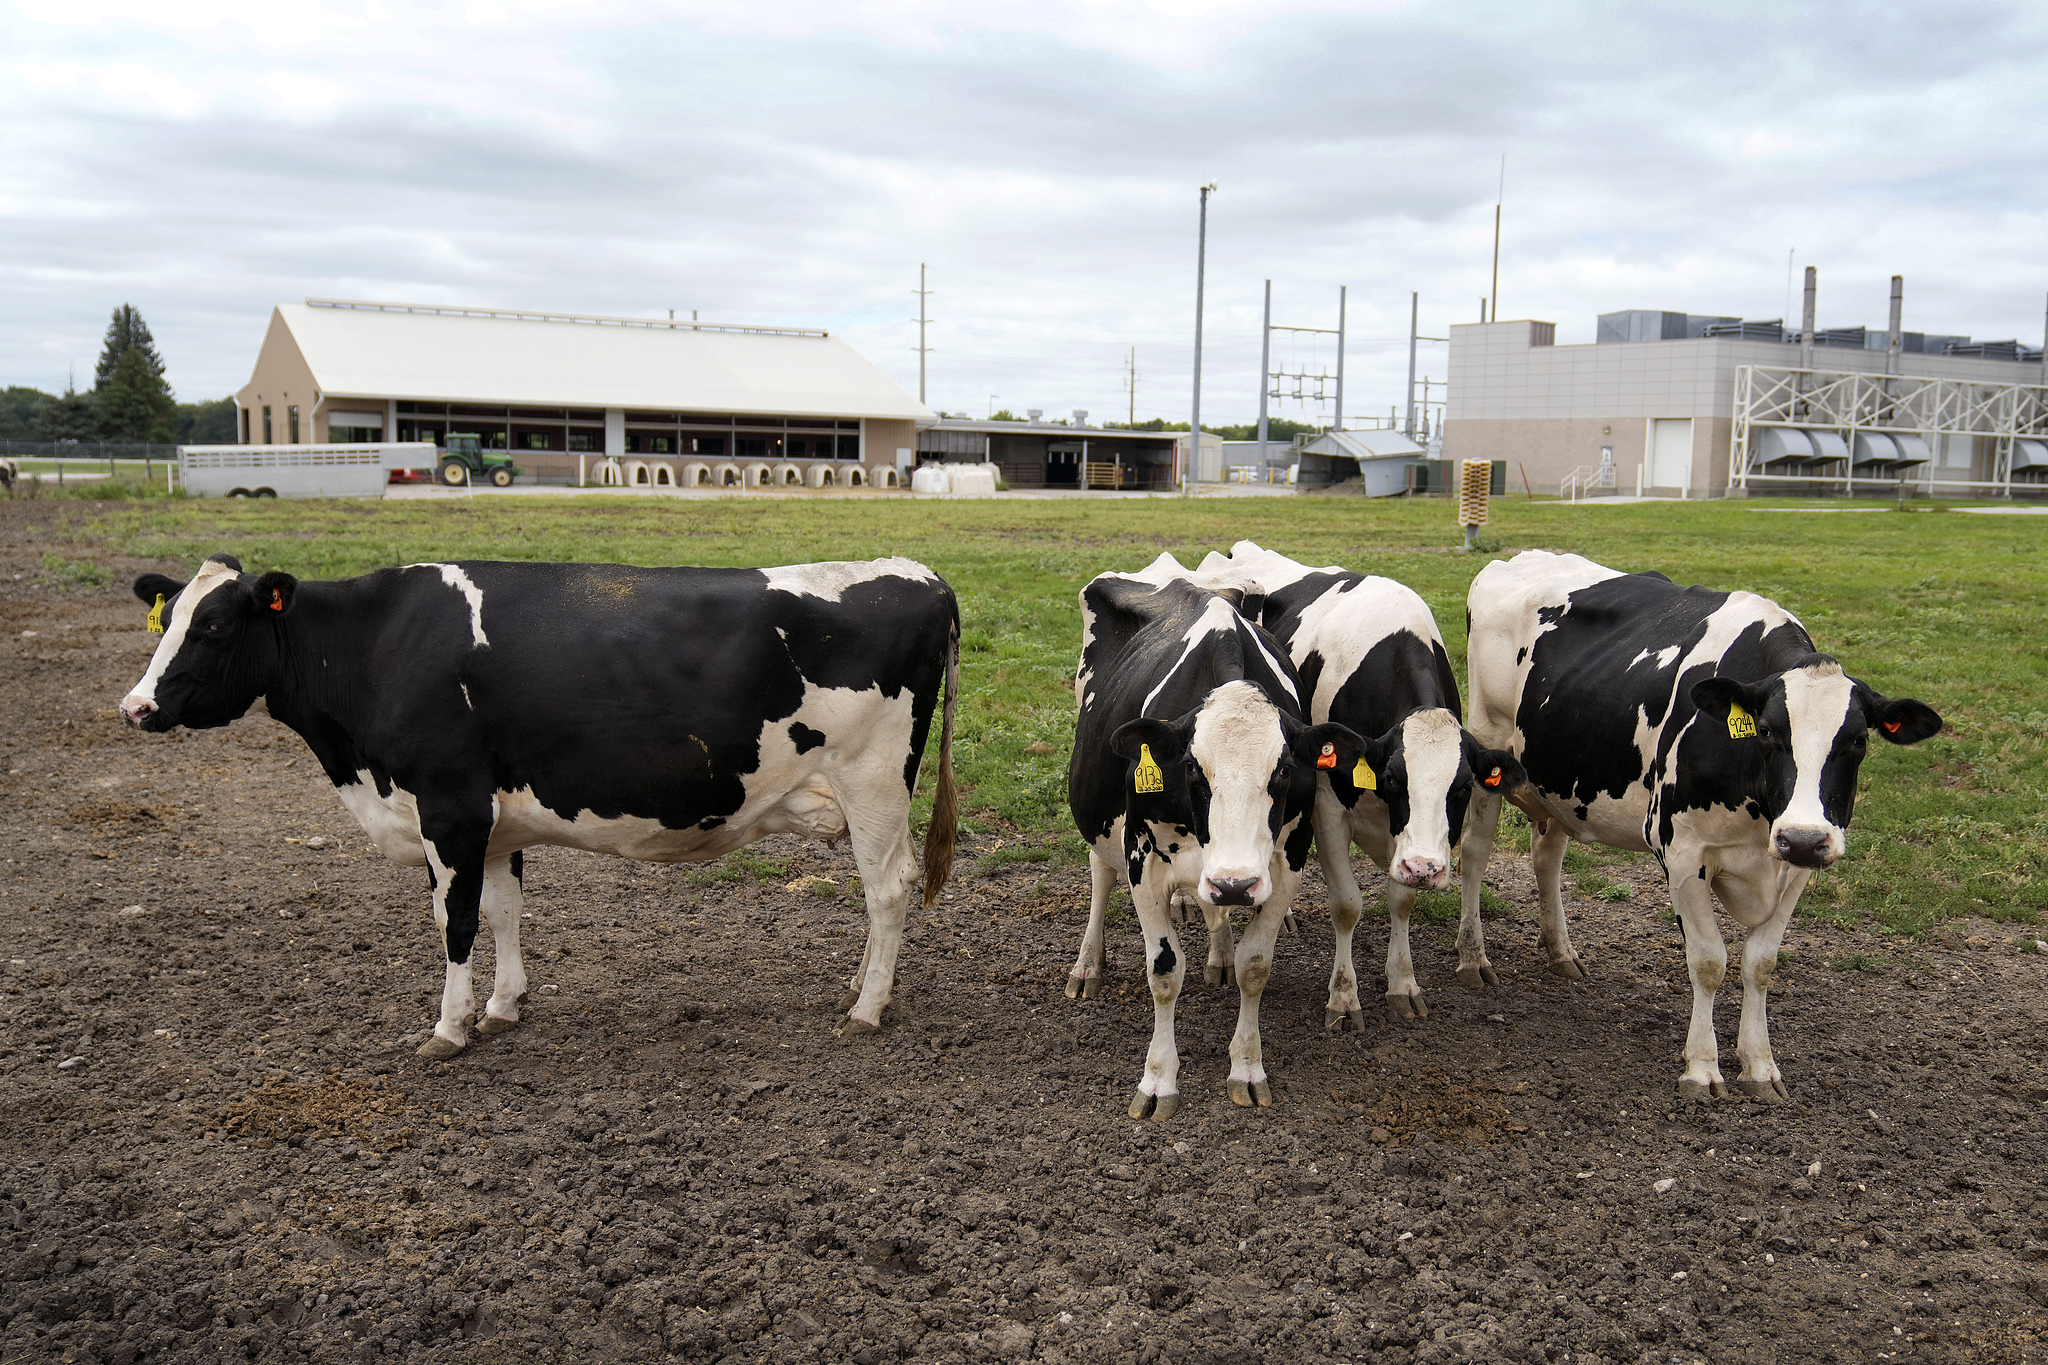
[(930, 478)]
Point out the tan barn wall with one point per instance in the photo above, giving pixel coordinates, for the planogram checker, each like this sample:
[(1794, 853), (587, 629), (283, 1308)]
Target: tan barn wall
[(281, 378)]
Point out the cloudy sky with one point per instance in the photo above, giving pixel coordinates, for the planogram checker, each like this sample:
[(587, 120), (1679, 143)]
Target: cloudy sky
[(793, 163)]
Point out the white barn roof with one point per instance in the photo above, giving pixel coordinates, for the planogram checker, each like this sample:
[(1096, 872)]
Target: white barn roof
[(468, 356)]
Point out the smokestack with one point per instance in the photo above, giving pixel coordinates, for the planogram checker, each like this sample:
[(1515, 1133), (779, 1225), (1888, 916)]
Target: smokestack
[(1806, 323), (1891, 340)]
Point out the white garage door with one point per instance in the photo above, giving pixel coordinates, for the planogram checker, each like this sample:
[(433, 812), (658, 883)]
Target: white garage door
[(1670, 452)]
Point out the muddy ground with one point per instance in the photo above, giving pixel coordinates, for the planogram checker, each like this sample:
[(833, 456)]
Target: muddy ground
[(217, 1142)]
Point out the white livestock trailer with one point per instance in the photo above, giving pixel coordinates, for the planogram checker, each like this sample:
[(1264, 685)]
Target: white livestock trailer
[(304, 471)]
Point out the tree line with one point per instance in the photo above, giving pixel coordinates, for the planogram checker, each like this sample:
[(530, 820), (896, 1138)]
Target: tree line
[(130, 400)]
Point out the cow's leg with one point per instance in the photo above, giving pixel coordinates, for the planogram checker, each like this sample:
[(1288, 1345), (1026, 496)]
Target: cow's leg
[(1547, 841), (878, 828), (1158, 1094), (1404, 992), (1706, 961), (1333, 851), (455, 842), (1482, 824), (1765, 910), (1222, 951), (1086, 978), (503, 882), (1248, 1084)]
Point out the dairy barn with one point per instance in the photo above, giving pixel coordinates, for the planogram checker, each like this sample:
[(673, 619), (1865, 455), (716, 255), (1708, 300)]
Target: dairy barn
[(578, 398)]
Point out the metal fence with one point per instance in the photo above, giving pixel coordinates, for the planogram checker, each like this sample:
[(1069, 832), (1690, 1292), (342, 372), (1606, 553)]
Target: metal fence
[(85, 451)]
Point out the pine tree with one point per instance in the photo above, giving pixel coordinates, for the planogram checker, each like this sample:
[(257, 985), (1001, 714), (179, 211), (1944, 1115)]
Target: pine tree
[(135, 404), (125, 331), (69, 418)]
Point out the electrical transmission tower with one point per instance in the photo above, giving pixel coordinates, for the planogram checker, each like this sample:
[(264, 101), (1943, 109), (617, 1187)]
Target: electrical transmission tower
[(1308, 387), (922, 349)]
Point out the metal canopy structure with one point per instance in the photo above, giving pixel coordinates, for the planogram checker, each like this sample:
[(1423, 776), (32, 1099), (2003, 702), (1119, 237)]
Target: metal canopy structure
[(1835, 427)]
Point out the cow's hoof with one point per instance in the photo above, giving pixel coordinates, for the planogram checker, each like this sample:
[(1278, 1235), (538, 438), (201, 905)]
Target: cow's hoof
[(1407, 1009), (1769, 1092), (855, 1028), (1083, 987), (1218, 974), (1246, 1094), (490, 1025), (1568, 968), (439, 1049), (849, 999), (1158, 1108), (1333, 1020), (1472, 978), (1702, 1090)]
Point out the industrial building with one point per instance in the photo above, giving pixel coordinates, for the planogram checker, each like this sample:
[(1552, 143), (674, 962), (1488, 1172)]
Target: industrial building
[(1696, 405), (581, 398)]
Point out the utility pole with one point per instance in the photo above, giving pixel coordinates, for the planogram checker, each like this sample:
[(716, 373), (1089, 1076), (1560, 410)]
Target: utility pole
[(1195, 415), (1414, 311), (1806, 316), (1131, 385), (1338, 423), (921, 320), (1265, 365), (1493, 298)]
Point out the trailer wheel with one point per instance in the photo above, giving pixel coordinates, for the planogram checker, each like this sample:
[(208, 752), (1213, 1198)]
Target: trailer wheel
[(454, 473), (501, 477), (238, 492), (265, 493)]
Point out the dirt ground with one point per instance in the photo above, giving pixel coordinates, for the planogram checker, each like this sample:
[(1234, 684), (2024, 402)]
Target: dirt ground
[(218, 1144)]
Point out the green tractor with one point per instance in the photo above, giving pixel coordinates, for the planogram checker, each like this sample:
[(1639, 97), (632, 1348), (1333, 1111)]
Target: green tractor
[(464, 461)]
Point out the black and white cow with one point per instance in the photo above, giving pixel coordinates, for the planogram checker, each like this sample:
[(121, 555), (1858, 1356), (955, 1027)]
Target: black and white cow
[(1699, 726), (1193, 771), (1371, 659), (467, 711)]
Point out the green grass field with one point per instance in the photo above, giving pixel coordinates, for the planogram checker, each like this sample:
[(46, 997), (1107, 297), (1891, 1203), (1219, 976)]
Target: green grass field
[(1933, 604)]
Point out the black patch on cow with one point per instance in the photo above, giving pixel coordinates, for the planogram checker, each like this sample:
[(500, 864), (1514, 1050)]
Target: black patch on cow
[(1165, 961), (804, 737), (1520, 654), (519, 866), (1703, 872)]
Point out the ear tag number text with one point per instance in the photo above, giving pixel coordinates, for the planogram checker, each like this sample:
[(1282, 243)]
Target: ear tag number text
[(1741, 725), (1362, 778), (156, 616), (1147, 777)]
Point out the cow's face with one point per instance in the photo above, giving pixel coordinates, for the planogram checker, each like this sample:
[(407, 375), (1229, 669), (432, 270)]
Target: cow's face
[(1810, 726), (1424, 770), (1239, 769), (205, 671)]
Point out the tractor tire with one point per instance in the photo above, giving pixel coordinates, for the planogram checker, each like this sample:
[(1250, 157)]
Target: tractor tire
[(238, 492), (454, 473), (501, 477), (264, 493)]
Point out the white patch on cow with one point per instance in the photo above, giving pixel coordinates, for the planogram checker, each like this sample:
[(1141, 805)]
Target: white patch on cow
[(1817, 701), (210, 576), (1663, 657), (392, 822), (454, 577), (1432, 746), (1238, 743), (829, 580), (1218, 618)]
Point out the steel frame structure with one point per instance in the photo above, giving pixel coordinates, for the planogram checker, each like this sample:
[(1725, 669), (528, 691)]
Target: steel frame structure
[(1850, 402)]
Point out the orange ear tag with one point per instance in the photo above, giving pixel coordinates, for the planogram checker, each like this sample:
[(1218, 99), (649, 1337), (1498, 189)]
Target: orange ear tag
[(1891, 727), (1328, 757), (1492, 779), (277, 599)]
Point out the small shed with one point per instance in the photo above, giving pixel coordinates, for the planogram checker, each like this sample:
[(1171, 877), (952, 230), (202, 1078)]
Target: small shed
[(1380, 457)]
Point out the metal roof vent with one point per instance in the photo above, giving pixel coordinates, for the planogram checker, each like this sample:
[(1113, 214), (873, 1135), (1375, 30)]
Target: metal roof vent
[(1080, 417), (1034, 413)]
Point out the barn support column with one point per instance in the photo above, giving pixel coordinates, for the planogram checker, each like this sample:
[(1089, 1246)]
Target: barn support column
[(615, 432)]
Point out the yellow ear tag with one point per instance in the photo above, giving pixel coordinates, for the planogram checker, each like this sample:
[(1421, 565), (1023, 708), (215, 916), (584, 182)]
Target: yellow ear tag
[(1147, 778), (1741, 725), (1362, 778), (156, 616)]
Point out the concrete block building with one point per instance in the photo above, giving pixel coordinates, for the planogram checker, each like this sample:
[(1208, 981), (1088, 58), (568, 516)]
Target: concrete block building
[(1694, 405), (583, 398)]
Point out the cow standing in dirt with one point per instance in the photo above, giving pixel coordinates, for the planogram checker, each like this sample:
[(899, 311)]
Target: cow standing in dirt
[(1700, 727), (1193, 771), (467, 711)]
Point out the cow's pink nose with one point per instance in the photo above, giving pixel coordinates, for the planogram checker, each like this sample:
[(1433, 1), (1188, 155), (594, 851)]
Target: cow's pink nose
[(1424, 874), (137, 711)]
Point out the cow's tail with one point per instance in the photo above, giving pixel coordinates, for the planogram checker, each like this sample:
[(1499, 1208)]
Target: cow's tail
[(945, 826)]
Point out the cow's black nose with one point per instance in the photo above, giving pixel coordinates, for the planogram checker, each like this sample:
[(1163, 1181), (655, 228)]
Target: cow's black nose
[(1232, 890), (1802, 847)]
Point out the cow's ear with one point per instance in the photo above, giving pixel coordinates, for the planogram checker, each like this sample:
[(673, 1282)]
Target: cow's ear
[(273, 593), (1901, 719), (1494, 769), (1719, 699), (227, 559), (1162, 737), (1330, 747), (153, 585)]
